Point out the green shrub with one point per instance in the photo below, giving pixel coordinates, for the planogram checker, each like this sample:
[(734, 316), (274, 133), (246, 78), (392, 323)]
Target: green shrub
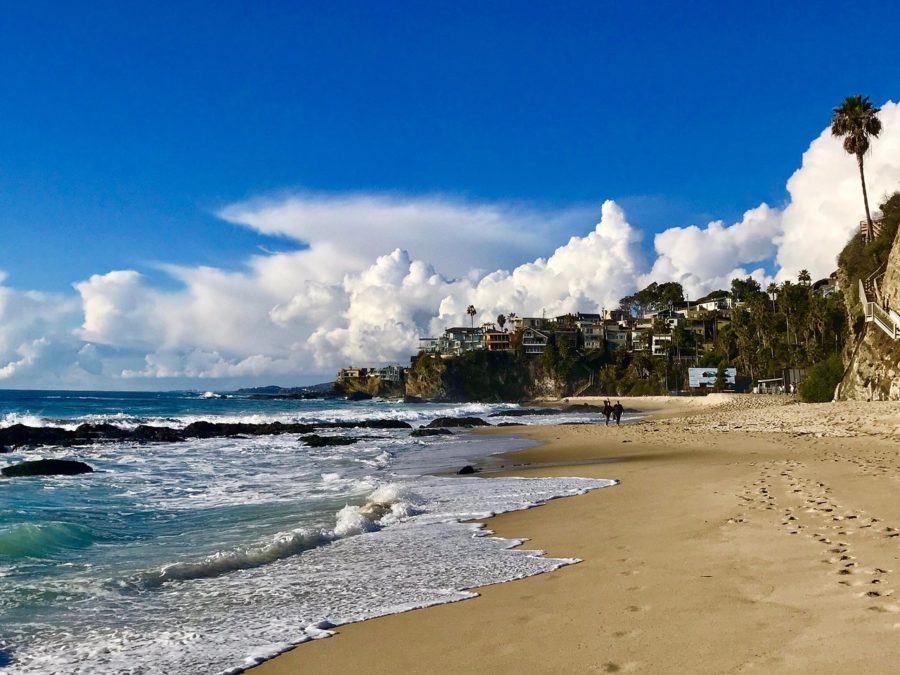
[(821, 380)]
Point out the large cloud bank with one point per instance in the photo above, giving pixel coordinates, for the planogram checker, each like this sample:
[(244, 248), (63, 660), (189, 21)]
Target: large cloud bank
[(373, 272)]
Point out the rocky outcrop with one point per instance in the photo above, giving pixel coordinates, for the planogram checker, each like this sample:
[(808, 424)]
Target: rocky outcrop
[(147, 434), (457, 422), (418, 433), (205, 429), (365, 389), (22, 435), (475, 376), (526, 412), (871, 358), (46, 467), (873, 369), (317, 441), (366, 424)]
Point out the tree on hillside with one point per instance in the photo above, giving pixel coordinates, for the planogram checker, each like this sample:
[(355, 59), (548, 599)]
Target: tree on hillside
[(856, 119), (653, 298), (744, 289)]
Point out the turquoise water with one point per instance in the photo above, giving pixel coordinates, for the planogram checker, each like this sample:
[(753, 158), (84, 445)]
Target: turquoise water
[(209, 555)]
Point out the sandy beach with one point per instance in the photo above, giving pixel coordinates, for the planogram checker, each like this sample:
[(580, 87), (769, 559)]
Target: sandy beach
[(747, 534)]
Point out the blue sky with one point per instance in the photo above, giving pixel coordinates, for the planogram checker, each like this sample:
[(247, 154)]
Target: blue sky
[(125, 126), (217, 194)]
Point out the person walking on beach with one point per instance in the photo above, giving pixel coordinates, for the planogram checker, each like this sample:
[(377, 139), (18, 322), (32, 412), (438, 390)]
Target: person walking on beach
[(607, 411), (617, 412)]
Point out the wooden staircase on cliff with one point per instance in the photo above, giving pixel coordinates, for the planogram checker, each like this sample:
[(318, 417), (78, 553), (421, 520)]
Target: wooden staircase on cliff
[(875, 309), (877, 223)]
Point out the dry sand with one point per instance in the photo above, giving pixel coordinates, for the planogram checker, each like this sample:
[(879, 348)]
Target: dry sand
[(745, 536)]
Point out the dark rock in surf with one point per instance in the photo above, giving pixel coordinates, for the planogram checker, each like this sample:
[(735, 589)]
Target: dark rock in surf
[(366, 424), (3, 449), (413, 399), (526, 412), (100, 432), (431, 432), (510, 424), (466, 470), (20, 434), (46, 467), (203, 429), (584, 408), (316, 441), (457, 422), (146, 434)]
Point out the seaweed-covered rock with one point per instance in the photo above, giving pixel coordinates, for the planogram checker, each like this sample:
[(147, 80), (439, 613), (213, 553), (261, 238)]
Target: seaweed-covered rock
[(457, 422), (146, 433), (46, 467), (510, 424), (431, 432), (316, 441)]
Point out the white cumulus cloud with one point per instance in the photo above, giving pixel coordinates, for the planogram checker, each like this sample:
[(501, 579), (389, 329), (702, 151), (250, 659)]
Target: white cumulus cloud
[(708, 258), (826, 202), (371, 273)]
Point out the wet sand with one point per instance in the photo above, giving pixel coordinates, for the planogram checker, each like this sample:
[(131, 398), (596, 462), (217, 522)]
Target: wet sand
[(722, 549)]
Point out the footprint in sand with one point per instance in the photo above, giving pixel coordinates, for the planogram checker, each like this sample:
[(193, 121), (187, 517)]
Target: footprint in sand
[(885, 608)]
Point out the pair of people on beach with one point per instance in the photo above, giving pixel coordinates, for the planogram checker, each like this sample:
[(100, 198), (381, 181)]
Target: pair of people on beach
[(613, 410)]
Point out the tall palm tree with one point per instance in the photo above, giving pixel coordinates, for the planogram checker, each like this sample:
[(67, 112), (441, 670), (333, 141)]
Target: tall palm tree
[(856, 119), (804, 278), (471, 311), (772, 290)]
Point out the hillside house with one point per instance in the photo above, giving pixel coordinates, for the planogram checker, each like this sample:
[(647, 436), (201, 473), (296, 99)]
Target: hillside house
[(461, 339), (497, 341), (523, 322), (616, 336), (389, 373), (535, 341), (640, 340), (591, 328), (345, 375), (661, 345)]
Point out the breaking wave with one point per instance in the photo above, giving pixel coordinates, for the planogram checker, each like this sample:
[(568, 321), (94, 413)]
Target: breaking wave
[(387, 505)]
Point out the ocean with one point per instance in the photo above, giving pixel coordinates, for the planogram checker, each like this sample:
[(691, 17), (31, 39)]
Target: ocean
[(211, 555)]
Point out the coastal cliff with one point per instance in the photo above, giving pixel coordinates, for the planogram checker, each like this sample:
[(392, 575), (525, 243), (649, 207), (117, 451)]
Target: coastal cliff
[(371, 386), (480, 376), (475, 376), (872, 357)]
